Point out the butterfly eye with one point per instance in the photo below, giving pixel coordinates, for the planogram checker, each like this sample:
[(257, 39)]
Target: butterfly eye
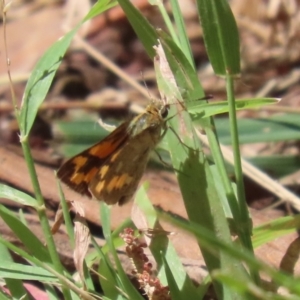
[(164, 111)]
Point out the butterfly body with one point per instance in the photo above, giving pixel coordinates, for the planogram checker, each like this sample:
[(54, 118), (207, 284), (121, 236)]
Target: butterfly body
[(111, 169)]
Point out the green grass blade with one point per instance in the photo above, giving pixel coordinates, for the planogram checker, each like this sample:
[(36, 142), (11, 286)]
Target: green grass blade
[(108, 277), (274, 229), (276, 128), (30, 241), (196, 182), (20, 271), (245, 288), (14, 285), (16, 196), (185, 75), (222, 44), (209, 109), (182, 34), (108, 281), (175, 292), (124, 282), (210, 242), (220, 36), (277, 165), (160, 245), (40, 80), (145, 32)]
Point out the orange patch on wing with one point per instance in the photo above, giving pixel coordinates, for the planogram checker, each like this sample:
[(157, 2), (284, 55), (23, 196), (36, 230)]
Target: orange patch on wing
[(112, 184), (77, 178), (113, 158), (90, 175), (99, 187), (103, 171), (79, 161), (122, 180), (104, 149)]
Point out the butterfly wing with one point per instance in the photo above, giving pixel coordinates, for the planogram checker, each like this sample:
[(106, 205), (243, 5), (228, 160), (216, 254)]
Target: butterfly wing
[(118, 179), (78, 171)]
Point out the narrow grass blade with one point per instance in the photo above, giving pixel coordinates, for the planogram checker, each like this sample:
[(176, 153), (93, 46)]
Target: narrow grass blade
[(209, 109), (220, 36), (210, 242), (20, 271), (16, 196), (124, 282), (14, 285), (182, 34), (30, 241), (175, 292), (108, 281), (161, 247), (274, 229), (146, 33), (276, 128)]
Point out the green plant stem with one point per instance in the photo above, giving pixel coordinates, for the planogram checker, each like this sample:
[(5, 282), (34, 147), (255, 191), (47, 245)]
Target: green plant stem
[(244, 220), (66, 214), (42, 211), (220, 164)]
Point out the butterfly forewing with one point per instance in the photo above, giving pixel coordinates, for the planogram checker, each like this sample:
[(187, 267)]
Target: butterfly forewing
[(78, 171)]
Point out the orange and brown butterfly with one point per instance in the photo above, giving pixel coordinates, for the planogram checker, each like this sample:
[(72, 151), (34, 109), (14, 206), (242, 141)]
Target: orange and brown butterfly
[(111, 170)]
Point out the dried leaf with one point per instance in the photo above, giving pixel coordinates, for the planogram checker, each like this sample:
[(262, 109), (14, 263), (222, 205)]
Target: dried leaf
[(82, 239)]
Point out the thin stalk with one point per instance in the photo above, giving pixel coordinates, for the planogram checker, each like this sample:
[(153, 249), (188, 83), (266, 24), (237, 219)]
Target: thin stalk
[(66, 214), (32, 172), (41, 210), (243, 216), (220, 164)]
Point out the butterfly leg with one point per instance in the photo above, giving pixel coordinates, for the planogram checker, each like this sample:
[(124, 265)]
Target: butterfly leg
[(166, 164), (180, 140)]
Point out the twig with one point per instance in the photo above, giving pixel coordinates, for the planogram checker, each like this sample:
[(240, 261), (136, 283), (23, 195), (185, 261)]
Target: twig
[(111, 66)]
